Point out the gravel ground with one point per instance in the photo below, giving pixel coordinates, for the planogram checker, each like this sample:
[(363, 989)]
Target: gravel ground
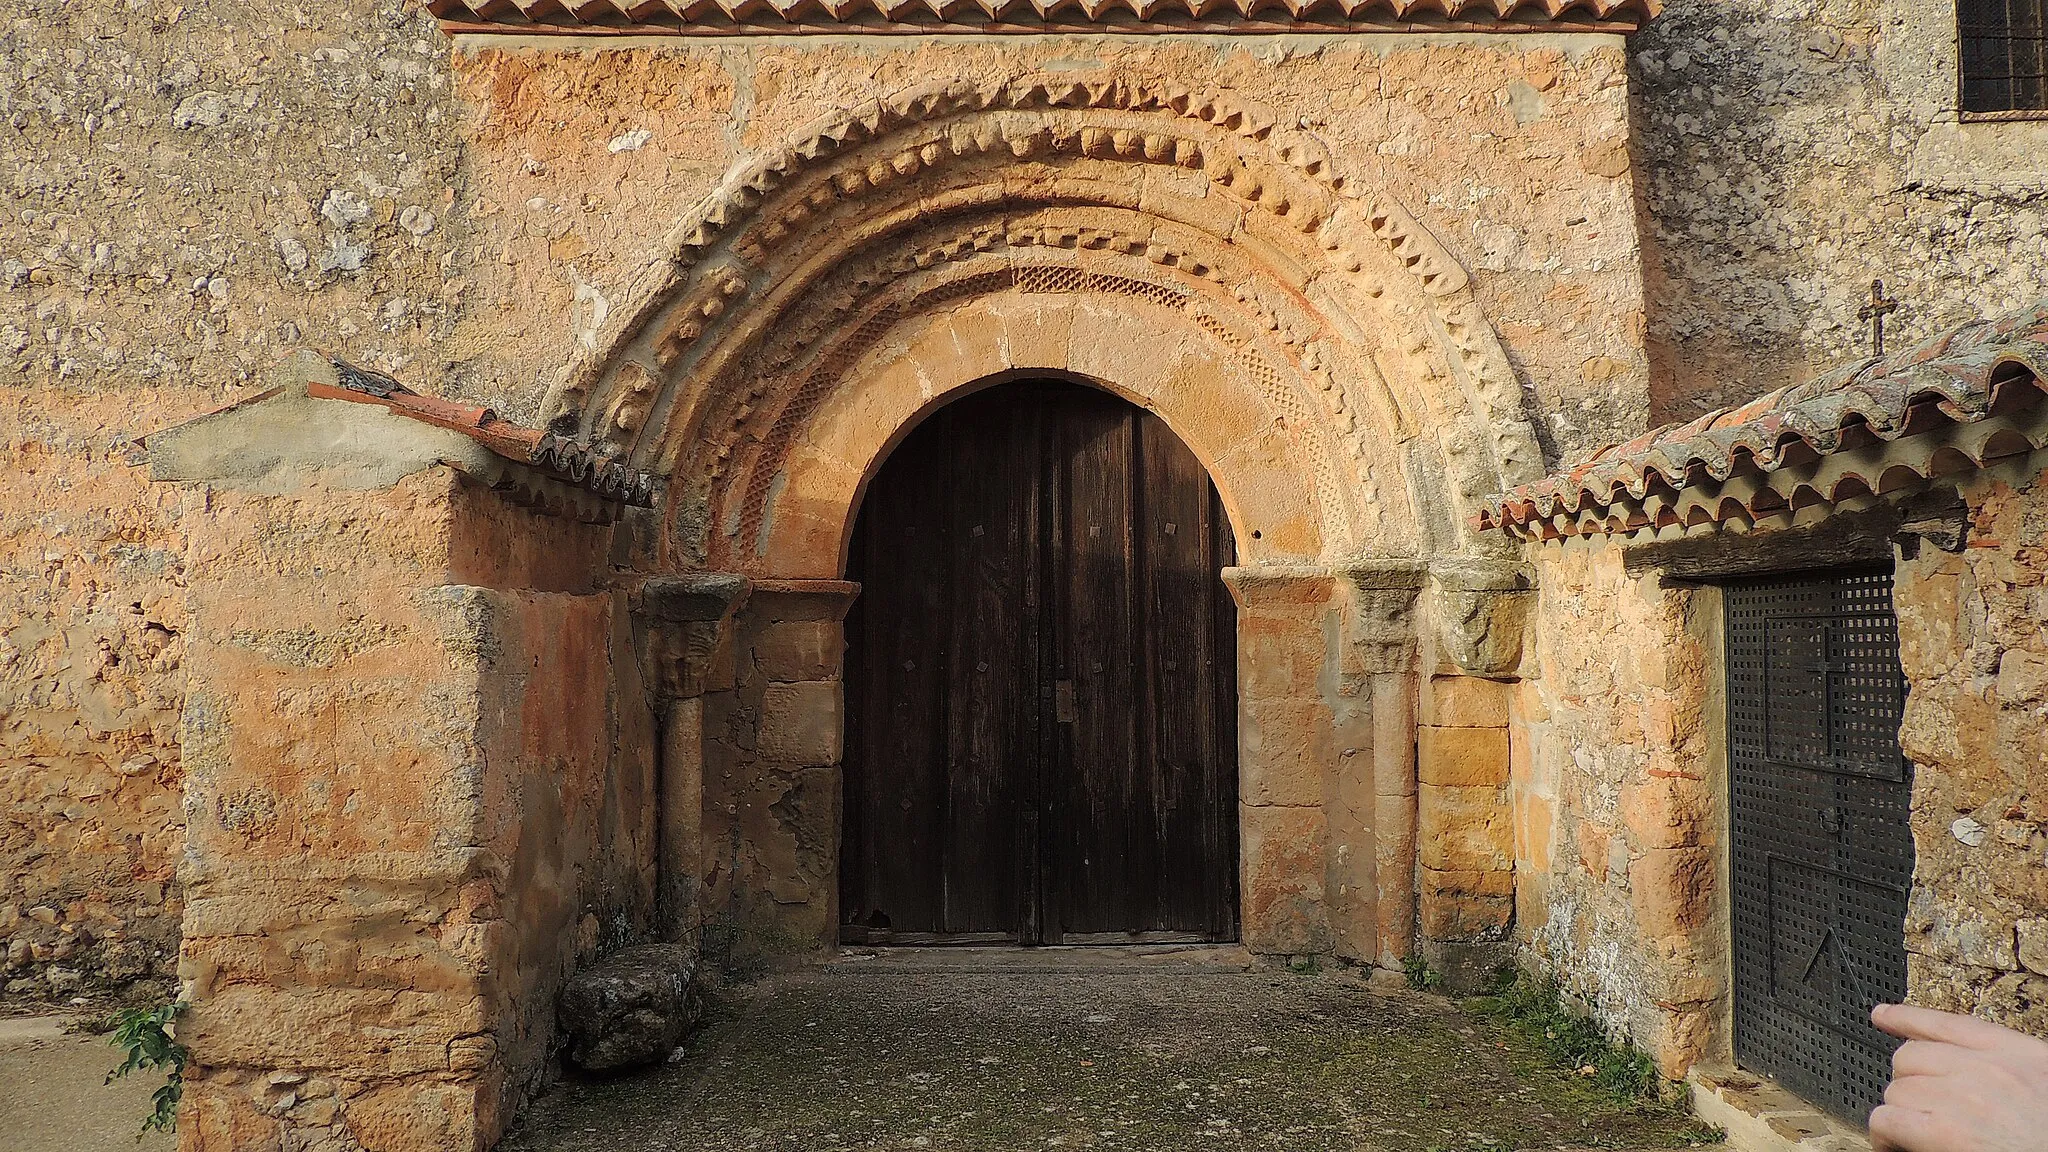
[(1000, 1052)]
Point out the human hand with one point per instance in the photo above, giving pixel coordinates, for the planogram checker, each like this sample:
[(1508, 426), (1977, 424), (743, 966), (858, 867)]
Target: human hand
[(1960, 1084)]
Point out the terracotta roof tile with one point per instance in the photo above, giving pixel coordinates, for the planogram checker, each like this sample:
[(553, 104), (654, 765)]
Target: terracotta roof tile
[(699, 17), (566, 460), (1962, 400)]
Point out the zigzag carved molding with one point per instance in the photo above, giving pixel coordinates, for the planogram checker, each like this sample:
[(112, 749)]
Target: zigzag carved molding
[(727, 250)]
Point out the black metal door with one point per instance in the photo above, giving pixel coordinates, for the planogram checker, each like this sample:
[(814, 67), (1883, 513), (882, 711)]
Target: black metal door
[(1822, 852)]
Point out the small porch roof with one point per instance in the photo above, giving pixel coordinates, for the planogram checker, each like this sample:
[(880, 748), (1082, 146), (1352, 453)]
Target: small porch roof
[(1964, 400), (309, 423)]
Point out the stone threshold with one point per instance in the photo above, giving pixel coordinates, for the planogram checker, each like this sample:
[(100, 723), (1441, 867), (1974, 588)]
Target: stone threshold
[(1091, 960), (1760, 1115)]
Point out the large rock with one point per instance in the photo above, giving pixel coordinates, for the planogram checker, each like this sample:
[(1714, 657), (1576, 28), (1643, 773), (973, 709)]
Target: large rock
[(632, 1008)]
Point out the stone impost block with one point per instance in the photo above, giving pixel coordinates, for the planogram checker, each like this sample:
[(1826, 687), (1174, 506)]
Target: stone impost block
[(1465, 702), (1462, 757), (783, 601), (1279, 589), (697, 596), (801, 724), (1465, 829)]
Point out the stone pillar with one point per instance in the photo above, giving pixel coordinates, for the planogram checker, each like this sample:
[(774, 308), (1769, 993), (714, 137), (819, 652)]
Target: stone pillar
[(683, 626), (772, 752), (1287, 759), (1376, 792), (418, 768), (1464, 810)]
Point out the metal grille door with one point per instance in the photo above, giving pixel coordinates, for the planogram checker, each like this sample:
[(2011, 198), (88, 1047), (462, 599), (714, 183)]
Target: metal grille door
[(1822, 854)]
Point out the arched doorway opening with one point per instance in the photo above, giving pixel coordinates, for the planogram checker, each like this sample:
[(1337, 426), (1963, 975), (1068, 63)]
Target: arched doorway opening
[(1041, 692)]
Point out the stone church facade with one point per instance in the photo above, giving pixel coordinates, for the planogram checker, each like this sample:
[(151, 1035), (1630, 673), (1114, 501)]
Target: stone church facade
[(375, 690)]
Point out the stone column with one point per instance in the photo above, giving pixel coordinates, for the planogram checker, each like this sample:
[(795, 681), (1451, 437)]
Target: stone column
[(683, 627), (1375, 797), (772, 755), (1465, 814), (1286, 754)]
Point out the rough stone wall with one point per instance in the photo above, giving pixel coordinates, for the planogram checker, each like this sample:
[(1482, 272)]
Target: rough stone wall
[(190, 190), (1973, 633), (418, 778), (92, 616), (1617, 826), (1790, 151)]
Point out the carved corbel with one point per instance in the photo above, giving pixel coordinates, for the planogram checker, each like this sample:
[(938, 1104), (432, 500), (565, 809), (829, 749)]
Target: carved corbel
[(683, 623), (1481, 612)]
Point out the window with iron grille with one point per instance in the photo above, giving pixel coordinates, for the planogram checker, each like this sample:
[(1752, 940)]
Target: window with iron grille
[(2004, 55)]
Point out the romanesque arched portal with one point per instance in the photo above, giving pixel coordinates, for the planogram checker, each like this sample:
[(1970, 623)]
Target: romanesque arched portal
[(1315, 348)]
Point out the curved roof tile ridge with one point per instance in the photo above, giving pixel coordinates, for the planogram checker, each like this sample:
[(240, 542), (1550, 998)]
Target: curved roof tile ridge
[(569, 17), (1964, 376)]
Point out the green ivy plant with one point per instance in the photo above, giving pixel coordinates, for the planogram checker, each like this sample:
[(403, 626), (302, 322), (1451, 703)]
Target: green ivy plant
[(145, 1033)]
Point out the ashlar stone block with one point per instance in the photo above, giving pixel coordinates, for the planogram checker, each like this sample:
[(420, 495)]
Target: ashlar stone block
[(802, 724)]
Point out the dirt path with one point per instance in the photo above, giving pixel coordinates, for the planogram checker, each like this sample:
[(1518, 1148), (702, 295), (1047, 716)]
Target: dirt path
[(53, 1099), (1003, 1052)]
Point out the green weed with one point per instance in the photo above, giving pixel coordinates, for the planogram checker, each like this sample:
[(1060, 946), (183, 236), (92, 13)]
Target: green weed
[(1536, 1008), (145, 1033)]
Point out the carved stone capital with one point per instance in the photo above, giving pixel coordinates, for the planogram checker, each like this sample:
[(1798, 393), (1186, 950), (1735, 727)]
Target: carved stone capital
[(1481, 611), (681, 623), (1381, 625)]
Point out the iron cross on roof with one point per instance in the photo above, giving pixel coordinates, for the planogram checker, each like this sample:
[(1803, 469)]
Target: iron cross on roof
[(1873, 313)]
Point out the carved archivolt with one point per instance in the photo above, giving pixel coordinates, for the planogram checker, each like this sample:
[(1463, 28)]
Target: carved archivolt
[(769, 289)]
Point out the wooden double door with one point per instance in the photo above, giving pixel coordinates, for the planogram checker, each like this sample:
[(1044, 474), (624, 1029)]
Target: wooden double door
[(1041, 682)]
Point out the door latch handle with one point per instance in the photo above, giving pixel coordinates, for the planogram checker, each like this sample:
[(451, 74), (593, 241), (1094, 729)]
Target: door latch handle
[(1063, 701)]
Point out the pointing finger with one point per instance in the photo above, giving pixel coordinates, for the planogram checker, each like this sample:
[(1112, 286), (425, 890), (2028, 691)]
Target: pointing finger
[(1909, 1022)]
